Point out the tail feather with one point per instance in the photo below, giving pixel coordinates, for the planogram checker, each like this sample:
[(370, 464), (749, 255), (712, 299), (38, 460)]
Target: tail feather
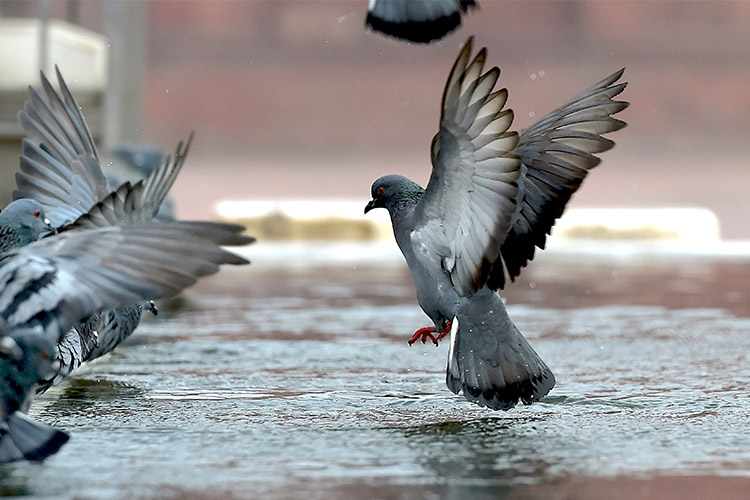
[(492, 363), (22, 438)]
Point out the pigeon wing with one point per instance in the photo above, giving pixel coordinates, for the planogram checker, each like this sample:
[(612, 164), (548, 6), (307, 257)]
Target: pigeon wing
[(55, 282), (139, 203), (465, 213), (557, 152)]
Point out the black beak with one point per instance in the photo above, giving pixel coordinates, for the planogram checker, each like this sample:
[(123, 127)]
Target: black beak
[(371, 205)]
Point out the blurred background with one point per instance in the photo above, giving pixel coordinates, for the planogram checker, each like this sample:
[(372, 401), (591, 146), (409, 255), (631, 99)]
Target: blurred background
[(286, 378), (296, 100)]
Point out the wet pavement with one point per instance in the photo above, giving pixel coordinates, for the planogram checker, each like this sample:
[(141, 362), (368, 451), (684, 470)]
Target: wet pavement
[(291, 378)]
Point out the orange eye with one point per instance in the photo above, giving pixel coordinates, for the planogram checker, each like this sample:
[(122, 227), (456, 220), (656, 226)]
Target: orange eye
[(37, 214), (380, 191)]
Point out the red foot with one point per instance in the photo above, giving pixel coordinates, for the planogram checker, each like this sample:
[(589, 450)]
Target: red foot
[(427, 333)]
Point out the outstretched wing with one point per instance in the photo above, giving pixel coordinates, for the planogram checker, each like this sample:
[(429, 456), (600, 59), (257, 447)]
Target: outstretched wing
[(139, 203), (55, 282), (469, 202), (60, 166), (557, 152)]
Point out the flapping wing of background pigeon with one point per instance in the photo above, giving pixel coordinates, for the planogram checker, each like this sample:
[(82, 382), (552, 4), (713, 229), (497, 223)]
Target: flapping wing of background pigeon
[(469, 202), (135, 203), (60, 165)]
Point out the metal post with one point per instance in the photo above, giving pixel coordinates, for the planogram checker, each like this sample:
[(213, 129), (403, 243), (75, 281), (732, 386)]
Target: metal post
[(125, 26)]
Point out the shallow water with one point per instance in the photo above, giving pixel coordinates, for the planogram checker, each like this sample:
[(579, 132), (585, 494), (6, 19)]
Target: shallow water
[(292, 378)]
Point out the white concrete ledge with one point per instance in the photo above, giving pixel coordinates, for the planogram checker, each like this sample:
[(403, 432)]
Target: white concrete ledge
[(67, 45), (668, 224), (333, 220)]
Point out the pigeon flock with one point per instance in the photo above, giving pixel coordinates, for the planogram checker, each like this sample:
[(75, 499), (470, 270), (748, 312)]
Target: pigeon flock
[(82, 256), (79, 261)]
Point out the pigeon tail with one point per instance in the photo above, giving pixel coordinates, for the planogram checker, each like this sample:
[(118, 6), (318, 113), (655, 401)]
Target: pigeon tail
[(23, 438), (491, 361)]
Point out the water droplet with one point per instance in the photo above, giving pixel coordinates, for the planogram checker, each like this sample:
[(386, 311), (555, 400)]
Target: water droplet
[(531, 114), (532, 284), (588, 291), (109, 164), (167, 91), (541, 73), (533, 76)]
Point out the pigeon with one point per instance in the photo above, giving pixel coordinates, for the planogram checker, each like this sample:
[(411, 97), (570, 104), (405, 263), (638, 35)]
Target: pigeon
[(49, 285), (60, 168), (420, 21), (493, 196)]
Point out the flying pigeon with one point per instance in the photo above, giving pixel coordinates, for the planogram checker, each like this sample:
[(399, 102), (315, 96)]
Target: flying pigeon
[(60, 168), (49, 285), (421, 21), (493, 196)]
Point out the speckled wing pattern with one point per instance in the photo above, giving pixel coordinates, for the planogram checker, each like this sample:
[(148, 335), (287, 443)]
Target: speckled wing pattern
[(556, 153), (467, 208)]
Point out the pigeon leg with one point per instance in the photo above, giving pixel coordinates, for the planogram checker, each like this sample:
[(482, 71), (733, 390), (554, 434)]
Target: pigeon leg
[(423, 334)]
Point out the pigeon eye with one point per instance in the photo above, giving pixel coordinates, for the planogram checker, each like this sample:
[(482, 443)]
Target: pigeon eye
[(37, 214), (380, 191)]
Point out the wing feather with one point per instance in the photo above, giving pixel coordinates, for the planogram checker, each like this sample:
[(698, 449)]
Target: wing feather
[(557, 153), (468, 204)]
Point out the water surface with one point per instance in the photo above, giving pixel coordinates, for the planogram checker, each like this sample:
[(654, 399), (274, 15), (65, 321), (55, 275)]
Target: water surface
[(291, 378)]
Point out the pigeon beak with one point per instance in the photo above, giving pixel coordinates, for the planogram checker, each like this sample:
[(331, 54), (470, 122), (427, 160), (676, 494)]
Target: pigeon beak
[(370, 206)]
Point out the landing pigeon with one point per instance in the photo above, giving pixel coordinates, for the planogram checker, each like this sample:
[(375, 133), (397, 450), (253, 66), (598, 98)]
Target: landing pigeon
[(48, 286), (421, 21), (494, 194)]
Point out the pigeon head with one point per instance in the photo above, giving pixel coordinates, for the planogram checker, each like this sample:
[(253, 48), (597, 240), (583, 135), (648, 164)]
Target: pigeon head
[(394, 192), (22, 222)]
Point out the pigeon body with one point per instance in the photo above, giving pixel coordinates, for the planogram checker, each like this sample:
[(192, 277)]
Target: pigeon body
[(493, 196), (49, 285), (421, 21)]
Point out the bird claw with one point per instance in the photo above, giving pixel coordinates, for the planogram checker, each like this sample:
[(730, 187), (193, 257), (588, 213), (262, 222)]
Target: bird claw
[(427, 333), (423, 334)]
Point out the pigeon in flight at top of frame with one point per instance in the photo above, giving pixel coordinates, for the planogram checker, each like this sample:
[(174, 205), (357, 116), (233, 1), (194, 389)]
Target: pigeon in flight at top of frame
[(420, 21), (493, 196), (49, 285)]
